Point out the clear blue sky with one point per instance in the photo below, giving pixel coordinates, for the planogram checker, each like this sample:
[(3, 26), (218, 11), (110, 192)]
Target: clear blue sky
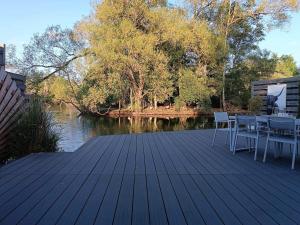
[(20, 19)]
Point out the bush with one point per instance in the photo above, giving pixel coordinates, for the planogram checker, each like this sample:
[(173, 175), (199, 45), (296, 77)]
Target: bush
[(34, 131), (205, 105), (255, 104), (179, 103), (193, 87)]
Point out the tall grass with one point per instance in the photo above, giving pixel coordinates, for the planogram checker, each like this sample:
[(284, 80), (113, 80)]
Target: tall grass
[(34, 131)]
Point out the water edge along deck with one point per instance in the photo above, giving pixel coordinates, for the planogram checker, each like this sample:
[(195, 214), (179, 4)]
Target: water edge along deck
[(152, 178)]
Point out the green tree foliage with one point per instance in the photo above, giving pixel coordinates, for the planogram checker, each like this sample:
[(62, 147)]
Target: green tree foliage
[(51, 52), (228, 16), (285, 67), (145, 46), (193, 87), (255, 104), (256, 66), (140, 53), (159, 87)]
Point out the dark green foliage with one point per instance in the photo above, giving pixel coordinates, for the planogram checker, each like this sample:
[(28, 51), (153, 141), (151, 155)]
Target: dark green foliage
[(193, 88), (257, 65), (179, 103), (285, 66), (34, 131), (255, 104)]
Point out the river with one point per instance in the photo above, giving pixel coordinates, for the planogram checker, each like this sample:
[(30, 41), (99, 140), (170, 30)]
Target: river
[(75, 130)]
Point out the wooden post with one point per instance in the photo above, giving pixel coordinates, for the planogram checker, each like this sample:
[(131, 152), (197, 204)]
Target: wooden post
[(2, 55)]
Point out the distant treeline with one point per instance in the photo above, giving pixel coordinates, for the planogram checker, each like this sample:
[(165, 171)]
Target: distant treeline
[(136, 54)]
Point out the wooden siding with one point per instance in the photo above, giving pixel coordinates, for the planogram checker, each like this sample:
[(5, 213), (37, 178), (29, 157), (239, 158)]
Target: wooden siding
[(11, 102), (2, 55), (167, 178), (20, 81), (259, 88)]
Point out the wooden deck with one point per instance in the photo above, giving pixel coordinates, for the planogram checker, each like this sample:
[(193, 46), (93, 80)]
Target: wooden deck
[(154, 178)]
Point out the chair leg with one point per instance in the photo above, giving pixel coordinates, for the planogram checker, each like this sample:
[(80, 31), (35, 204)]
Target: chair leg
[(256, 147), (227, 135), (294, 156), (248, 143), (266, 149), (251, 144), (234, 144), (214, 137)]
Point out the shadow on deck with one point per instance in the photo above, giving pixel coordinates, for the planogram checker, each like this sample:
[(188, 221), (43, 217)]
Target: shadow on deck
[(153, 178)]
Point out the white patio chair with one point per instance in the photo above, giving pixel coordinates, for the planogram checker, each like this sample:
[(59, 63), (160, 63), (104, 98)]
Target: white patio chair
[(221, 118), (261, 130), (282, 130), (246, 127)]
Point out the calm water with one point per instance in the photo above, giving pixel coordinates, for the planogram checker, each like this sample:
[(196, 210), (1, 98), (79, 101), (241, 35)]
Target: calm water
[(75, 130)]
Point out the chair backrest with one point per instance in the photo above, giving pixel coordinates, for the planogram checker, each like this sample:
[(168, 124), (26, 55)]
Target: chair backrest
[(245, 123), (262, 119), (245, 120), (282, 123), (262, 123), (221, 117)]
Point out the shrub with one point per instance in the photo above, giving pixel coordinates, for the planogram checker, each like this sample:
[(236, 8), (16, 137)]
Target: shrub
[(205, 105), (193, 87), (34, 131), (179, 103), (255, 104)]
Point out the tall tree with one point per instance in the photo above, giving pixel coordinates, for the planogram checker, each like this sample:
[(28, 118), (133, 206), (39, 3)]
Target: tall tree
[(51, 52), (121, 38), (223, 15), (146, 46)]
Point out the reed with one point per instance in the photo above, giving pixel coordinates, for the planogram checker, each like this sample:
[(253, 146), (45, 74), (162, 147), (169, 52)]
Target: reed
[(35, 131)]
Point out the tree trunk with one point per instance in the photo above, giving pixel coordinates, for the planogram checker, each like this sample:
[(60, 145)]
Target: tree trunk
[(155, 102), (224, 69), (223, 88), (131, 99), (138, 97), (226, 32)]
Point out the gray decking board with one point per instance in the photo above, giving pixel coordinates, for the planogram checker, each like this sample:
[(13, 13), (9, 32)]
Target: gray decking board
[(40, 209), (123, 212), (279, 203), (30, 202), (217, 203), (259, 200), (92, 205), (209, 215), (140, 210), (245, 201), (152, 178), (238, 209), (156, 205)]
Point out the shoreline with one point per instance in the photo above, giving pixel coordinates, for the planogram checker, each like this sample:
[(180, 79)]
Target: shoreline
[(161, 112), (169, 112)]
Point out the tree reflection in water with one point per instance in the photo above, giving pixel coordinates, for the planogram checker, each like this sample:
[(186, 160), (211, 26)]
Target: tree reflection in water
[(75, 130)]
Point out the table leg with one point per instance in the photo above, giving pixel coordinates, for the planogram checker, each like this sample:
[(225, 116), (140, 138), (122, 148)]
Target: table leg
[(230, 136)]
